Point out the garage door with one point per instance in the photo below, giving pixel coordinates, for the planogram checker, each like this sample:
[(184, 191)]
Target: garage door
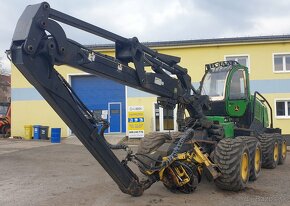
[(104, 97)]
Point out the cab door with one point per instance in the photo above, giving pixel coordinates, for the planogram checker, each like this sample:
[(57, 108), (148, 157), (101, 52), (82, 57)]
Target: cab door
[(237, 95)]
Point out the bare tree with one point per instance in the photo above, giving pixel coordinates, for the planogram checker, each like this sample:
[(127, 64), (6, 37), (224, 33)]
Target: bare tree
[(5, 85), (3, 70)]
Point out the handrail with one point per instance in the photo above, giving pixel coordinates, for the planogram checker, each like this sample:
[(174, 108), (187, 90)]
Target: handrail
[(264, 99)]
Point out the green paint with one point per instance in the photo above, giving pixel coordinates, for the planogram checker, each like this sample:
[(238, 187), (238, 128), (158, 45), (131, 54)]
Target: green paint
[(217, 119), (236, 96), (228, 126), (228, 129), (261, 111), (236, 106), (266, 117)]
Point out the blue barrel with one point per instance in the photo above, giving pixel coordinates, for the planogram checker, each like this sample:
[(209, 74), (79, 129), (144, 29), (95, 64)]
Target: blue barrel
[(36, 131), (55, 135)]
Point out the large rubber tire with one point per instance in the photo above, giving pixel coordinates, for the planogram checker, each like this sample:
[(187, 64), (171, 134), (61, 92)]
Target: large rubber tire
[(5, 129), (229, 155), (2, 129), (255, 151), (152, 141), (270, 151), (282, 149)]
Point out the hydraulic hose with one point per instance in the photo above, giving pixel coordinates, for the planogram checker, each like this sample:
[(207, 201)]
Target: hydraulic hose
[(105, 126)]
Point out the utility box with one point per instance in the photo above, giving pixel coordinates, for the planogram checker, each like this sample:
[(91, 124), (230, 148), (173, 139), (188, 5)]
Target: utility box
[(55, 135), (43, 132)]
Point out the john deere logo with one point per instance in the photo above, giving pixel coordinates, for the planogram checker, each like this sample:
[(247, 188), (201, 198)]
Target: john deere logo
[(237, 108)]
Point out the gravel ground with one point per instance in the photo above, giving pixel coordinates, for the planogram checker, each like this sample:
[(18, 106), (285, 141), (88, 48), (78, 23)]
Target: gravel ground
[(40, 173)]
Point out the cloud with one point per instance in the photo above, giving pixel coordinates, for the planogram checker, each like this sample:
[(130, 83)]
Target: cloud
[(272, 25), (152, 20)]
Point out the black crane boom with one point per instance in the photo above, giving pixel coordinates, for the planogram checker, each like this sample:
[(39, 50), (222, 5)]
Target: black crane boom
[(39, 43)]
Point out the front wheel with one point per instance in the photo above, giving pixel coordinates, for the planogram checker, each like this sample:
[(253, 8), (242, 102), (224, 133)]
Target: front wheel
[(233, 158)]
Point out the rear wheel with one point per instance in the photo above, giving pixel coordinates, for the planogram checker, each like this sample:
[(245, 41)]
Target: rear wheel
[(233, 159), (282, 149), (270, 151)]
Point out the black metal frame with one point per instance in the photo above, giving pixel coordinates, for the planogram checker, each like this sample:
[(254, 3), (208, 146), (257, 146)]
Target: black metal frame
[(269, 106)]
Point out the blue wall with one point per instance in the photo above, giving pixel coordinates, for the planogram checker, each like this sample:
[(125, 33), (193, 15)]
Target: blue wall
[(96, 92)]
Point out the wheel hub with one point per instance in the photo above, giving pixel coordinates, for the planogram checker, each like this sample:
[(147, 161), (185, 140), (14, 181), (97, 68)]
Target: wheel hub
[(257, 160), (276, 152), (284, 149), (245, 167)]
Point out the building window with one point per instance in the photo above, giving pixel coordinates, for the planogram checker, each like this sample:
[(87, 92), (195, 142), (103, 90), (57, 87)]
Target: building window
[(282, 108), (281, 62), (168, 119), (164, 119), (157, 117), (241, 59)]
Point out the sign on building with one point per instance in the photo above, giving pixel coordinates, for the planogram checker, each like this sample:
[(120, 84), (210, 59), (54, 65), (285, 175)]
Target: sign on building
[(136, 121)]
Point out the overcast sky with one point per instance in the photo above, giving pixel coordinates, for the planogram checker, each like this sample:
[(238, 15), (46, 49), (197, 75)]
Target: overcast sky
[(152, 20)]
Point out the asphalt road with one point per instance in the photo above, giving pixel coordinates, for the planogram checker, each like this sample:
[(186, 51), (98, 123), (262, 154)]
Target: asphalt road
[(40, 173)]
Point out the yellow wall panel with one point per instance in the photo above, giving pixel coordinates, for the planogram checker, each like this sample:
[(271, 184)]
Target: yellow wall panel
[(17, 79), (34, 113), (260, 55), (195, 57)]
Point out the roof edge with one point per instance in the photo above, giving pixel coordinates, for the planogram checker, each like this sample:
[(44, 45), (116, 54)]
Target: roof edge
[(215, 41)]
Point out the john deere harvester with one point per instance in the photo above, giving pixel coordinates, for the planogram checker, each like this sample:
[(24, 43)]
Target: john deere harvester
[(241, 138), (225, 133)]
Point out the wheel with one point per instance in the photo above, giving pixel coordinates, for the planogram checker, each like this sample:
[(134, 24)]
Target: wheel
[(152, 141), (282, 149), (2, 129), (270, 150), (232, 157), (5, 129), (255, 152)]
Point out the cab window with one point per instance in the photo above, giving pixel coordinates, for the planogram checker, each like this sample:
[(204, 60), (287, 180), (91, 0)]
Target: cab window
[(214, 85), (237, 85)]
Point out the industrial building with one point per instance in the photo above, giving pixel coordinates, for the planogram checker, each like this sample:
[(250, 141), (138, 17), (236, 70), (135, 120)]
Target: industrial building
[(267, 57)]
